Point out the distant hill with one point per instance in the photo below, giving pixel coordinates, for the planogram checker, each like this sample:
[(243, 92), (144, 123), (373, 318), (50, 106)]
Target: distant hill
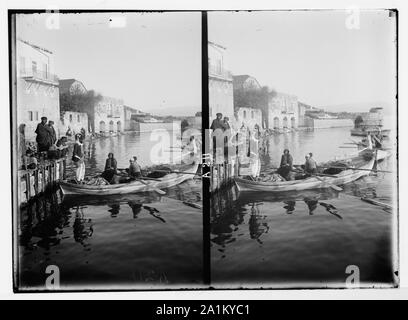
[(173, 111)]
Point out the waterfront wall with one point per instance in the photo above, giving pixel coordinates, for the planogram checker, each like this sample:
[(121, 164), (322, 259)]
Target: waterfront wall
[(151, 126), (331, 123)]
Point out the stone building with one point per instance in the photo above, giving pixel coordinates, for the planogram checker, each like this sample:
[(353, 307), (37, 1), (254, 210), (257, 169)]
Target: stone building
[(220, 83), (249, 117), (73, 120), (283, 111), (37, 87), (109, 115), (245, 82), (71, 86)]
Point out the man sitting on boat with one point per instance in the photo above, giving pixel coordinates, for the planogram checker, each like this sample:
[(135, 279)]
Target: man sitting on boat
[(310, 164), (286, 165), (135, 170), (110, 167)]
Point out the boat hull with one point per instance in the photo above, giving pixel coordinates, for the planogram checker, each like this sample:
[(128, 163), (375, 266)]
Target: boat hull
[(344, 177), (167, 181), (363, 133)]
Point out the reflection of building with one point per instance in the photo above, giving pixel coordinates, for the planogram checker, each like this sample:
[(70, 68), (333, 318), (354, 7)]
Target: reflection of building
[(219, 82), (37, 87), (71, 86), (283, 111), (109, 115)]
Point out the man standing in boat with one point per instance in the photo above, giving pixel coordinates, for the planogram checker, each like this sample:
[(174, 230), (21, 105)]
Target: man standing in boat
[(286, 164), (78, 158)]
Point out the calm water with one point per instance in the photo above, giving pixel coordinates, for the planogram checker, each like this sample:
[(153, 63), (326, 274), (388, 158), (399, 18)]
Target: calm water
[(133, 241), (308, 238)]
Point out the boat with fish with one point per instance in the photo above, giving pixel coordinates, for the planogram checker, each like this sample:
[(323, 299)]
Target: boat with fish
[(353, 170), (144, 184)]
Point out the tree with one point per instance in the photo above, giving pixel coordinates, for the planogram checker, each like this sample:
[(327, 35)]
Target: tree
[(78, 101), (254, 98), (357, 121)]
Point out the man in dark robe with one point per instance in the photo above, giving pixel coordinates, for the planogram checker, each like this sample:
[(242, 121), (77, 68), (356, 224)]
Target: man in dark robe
[(43, 135), (286, 164)]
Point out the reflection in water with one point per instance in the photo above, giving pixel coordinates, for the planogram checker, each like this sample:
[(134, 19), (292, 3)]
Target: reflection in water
[(123, 241), (311, 204), (303, 238), (257, 224), (83, 228), (129, 240), (290, 206)]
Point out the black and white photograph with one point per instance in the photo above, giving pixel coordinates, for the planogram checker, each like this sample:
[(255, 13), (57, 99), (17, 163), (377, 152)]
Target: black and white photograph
[(303, 113), (107, 133), (185, 152)]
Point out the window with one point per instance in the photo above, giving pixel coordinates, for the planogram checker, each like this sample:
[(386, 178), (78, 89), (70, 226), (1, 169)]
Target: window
[(30, 116), (36, 115), (252, 114), (70, 118), (34, 67), (79, 118), (244, 114)]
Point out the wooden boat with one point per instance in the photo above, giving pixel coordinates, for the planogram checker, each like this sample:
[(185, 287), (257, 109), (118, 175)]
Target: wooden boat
[(167, 181), (346, 176), (362, 132)]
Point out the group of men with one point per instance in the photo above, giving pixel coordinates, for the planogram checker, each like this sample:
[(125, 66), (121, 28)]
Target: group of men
[(220, 123), (286, 166), (46, 135), (111, 174)]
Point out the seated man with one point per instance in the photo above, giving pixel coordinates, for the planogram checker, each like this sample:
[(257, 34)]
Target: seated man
[(310, 164), (286, 165), (110, 168), (134, 169)]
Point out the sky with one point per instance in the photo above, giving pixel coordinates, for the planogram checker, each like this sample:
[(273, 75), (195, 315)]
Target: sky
[(153, 63), (314, 55)]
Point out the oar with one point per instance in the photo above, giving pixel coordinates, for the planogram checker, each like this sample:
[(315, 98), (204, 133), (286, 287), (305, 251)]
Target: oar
[(377, 203), (171, 171), (329, 184), (358, 169), (153, 188)]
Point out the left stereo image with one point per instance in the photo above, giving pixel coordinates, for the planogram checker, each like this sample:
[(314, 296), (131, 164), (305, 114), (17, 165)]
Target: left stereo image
[(106, 150)]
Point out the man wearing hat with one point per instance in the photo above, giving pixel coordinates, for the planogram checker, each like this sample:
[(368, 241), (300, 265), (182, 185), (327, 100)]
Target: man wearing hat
[(43, 135), (53, 134), (217, 123)]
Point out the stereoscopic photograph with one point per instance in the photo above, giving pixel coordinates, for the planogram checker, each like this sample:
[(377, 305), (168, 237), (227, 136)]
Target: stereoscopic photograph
[(204, 150), (106, 118), (302, 108)]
